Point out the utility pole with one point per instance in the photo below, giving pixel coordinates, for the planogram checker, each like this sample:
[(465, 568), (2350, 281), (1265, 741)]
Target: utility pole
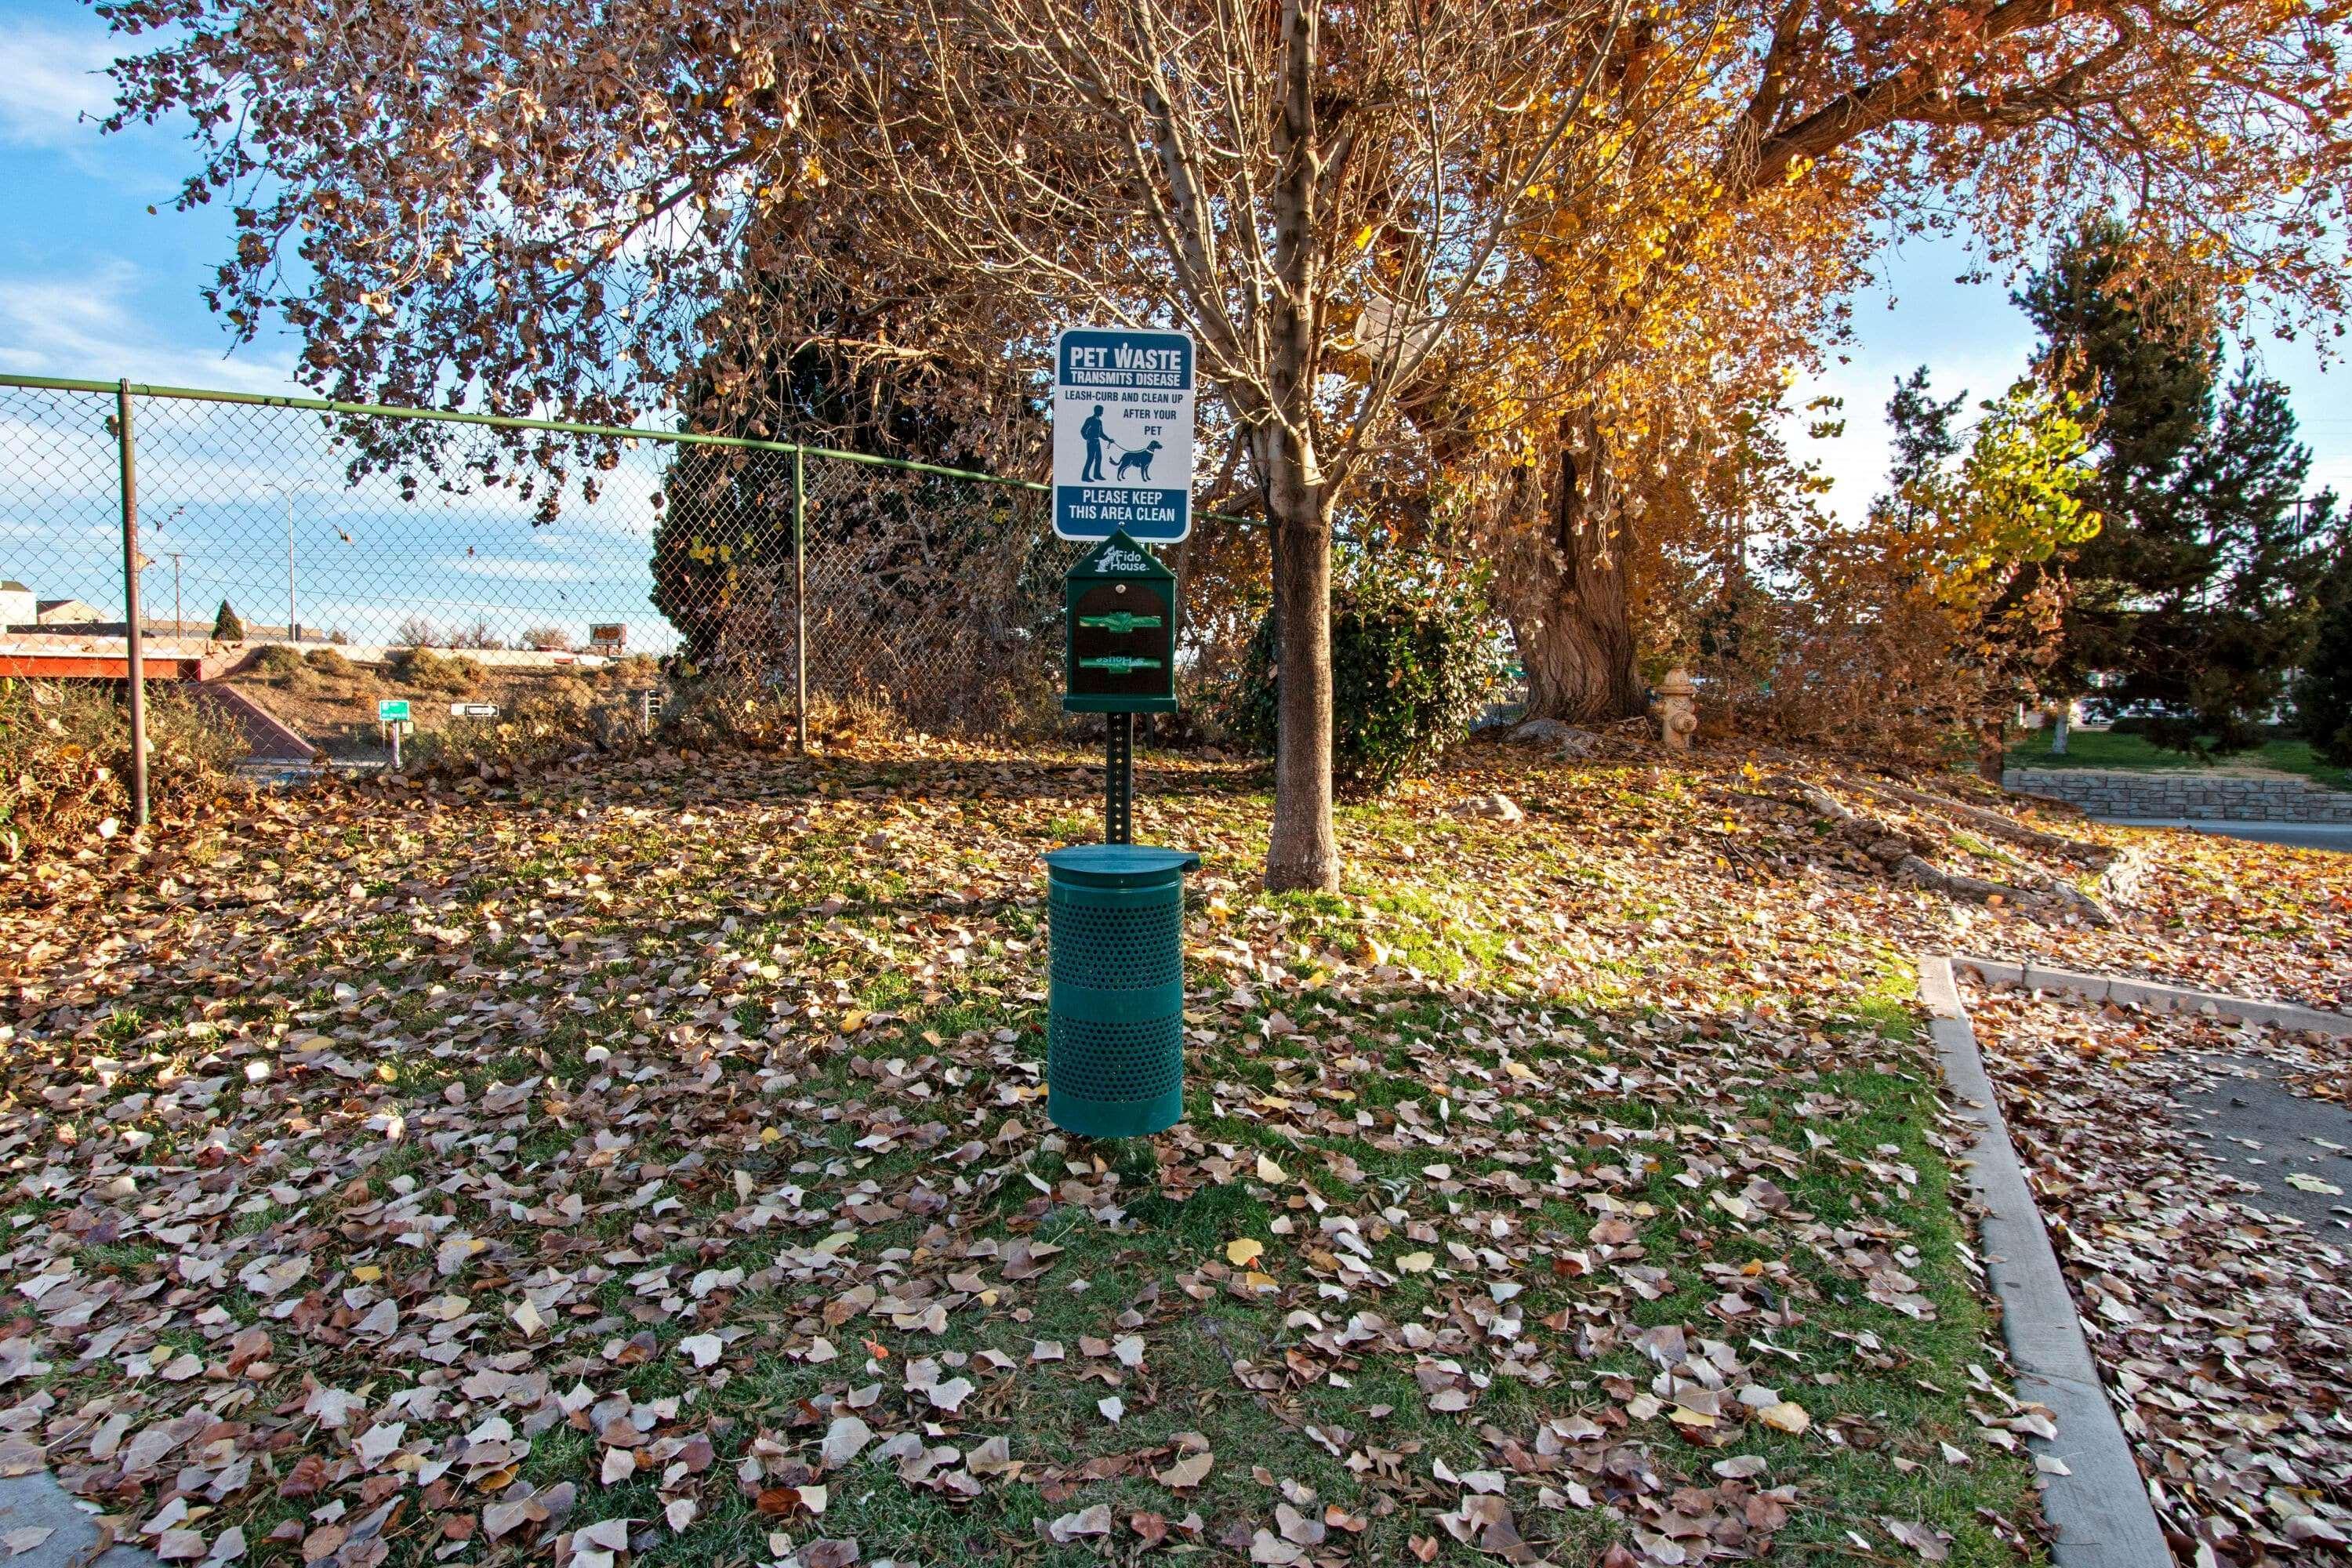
[(179, 622), (293, 620)]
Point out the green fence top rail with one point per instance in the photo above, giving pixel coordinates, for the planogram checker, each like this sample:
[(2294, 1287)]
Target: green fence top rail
[(515, 422)]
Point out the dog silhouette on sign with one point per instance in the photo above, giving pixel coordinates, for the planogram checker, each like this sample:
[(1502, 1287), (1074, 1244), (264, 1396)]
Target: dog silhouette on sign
[(1140, 460)]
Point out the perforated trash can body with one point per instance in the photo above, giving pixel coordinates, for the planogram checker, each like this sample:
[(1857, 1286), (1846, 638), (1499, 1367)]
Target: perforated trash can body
[(1115, 1011)]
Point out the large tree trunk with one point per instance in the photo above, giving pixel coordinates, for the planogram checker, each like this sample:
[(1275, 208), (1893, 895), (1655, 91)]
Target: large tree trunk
[(1565, 592), (1302, 851)]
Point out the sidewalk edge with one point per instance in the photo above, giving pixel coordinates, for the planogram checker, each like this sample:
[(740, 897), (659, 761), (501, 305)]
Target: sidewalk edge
[(2154, 994), (2101, 1510)]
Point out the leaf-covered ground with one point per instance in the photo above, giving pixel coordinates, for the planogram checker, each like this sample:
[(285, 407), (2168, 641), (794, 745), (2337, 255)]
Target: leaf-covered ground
[(654, 1165), (2218, 913), (2223, 1326)]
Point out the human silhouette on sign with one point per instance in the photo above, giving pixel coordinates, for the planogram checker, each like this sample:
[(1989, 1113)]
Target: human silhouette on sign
[(1092, 430)]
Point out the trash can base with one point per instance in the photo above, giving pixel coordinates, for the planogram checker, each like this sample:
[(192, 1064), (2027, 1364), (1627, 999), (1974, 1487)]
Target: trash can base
[(1115, 1118)]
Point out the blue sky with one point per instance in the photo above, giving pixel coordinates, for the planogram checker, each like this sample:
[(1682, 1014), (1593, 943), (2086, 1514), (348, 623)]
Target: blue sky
[(92, 285)]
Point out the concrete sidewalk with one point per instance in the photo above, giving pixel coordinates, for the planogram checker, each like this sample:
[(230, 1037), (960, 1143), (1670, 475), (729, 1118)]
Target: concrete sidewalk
[(37, 1502)]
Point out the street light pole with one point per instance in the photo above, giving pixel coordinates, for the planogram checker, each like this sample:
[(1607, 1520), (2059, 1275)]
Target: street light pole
[(293, 623), (179, 622)]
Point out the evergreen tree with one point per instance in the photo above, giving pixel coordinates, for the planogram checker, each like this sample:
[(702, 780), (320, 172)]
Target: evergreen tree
[(2222, 649), (2140, 355), (2322, 699), (227, 627), (722, 552), (1923, 440), (2197, 589)]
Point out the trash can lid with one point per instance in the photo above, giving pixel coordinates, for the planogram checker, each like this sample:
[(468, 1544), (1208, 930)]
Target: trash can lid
[(1118, 865)]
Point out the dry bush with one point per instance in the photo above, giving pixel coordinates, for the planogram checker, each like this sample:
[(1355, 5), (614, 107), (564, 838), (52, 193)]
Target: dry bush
[(64, 755), (1911, 631), (429, 671), (1855, 649), (720, 710), (278, 664), (555, 722)]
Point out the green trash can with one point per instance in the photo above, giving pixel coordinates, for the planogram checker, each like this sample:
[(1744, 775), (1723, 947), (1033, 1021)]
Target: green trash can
[(1114, 1012)]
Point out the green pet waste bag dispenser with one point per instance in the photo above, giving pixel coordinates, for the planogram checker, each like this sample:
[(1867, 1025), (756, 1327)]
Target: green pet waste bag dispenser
[(1115, 1031)]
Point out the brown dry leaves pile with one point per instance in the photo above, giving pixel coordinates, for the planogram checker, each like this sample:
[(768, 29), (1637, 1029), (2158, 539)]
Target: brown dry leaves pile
[(654, 1167), (2224, 1332)]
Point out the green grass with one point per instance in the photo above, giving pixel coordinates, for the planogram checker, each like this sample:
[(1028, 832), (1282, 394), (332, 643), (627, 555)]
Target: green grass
[(1457, 905), (2135, 754)]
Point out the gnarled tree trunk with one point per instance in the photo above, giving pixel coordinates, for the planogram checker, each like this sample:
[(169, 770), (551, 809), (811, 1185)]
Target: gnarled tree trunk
[(1564, 589)]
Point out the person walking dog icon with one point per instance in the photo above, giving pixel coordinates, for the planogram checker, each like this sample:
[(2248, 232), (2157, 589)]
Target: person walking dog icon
[(1095, 437)]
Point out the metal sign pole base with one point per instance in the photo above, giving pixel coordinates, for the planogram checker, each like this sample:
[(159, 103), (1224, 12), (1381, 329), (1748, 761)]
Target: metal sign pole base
[(1118, 778)]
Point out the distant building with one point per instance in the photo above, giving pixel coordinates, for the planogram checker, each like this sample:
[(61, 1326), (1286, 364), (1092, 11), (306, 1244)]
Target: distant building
[(18, 604), (65, 613)]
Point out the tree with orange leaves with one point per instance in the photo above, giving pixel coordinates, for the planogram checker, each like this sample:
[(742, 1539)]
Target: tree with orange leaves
[(1515, 243), (1774, 149)]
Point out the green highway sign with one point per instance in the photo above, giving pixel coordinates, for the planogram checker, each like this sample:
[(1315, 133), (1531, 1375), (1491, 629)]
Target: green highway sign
[(392, 710), (1119, 609)]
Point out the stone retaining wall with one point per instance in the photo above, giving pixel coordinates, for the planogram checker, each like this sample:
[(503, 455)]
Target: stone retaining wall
[(2201, 796)]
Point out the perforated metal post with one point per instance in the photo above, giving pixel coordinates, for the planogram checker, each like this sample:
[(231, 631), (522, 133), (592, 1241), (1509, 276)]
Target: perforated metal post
[(1118, 778), (800, 601), (1115, 1035)]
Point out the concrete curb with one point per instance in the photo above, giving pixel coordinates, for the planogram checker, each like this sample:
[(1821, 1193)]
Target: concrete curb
[(2100, 1510), (2154, 996)]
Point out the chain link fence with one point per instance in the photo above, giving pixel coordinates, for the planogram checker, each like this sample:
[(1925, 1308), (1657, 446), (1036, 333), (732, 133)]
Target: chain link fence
[(511, 551)]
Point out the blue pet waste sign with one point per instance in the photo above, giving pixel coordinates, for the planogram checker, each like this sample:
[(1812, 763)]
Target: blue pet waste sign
[(1122, 434)]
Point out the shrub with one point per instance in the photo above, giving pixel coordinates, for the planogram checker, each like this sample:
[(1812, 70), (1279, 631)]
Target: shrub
[(430, 671), (716, 710), (280, 663), (65, 756), (550, 723), (548, 640), (331, 663), (227, 627), (1413, 655)]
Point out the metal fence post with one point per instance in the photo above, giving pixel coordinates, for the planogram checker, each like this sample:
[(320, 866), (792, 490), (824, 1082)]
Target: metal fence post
[(800, 598), (137, 671)]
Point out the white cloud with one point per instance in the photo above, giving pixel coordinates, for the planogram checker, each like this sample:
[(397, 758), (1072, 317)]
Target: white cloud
[(1857, 461), (92, 325), (49, 80)]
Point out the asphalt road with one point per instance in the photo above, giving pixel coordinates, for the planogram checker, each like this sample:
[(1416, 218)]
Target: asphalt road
[(2264, 1133), (2294, 834)]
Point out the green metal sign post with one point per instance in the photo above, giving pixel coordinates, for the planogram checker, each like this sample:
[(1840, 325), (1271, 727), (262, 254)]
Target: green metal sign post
[(1120, 605), (391, 713), (1115, 1029)]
